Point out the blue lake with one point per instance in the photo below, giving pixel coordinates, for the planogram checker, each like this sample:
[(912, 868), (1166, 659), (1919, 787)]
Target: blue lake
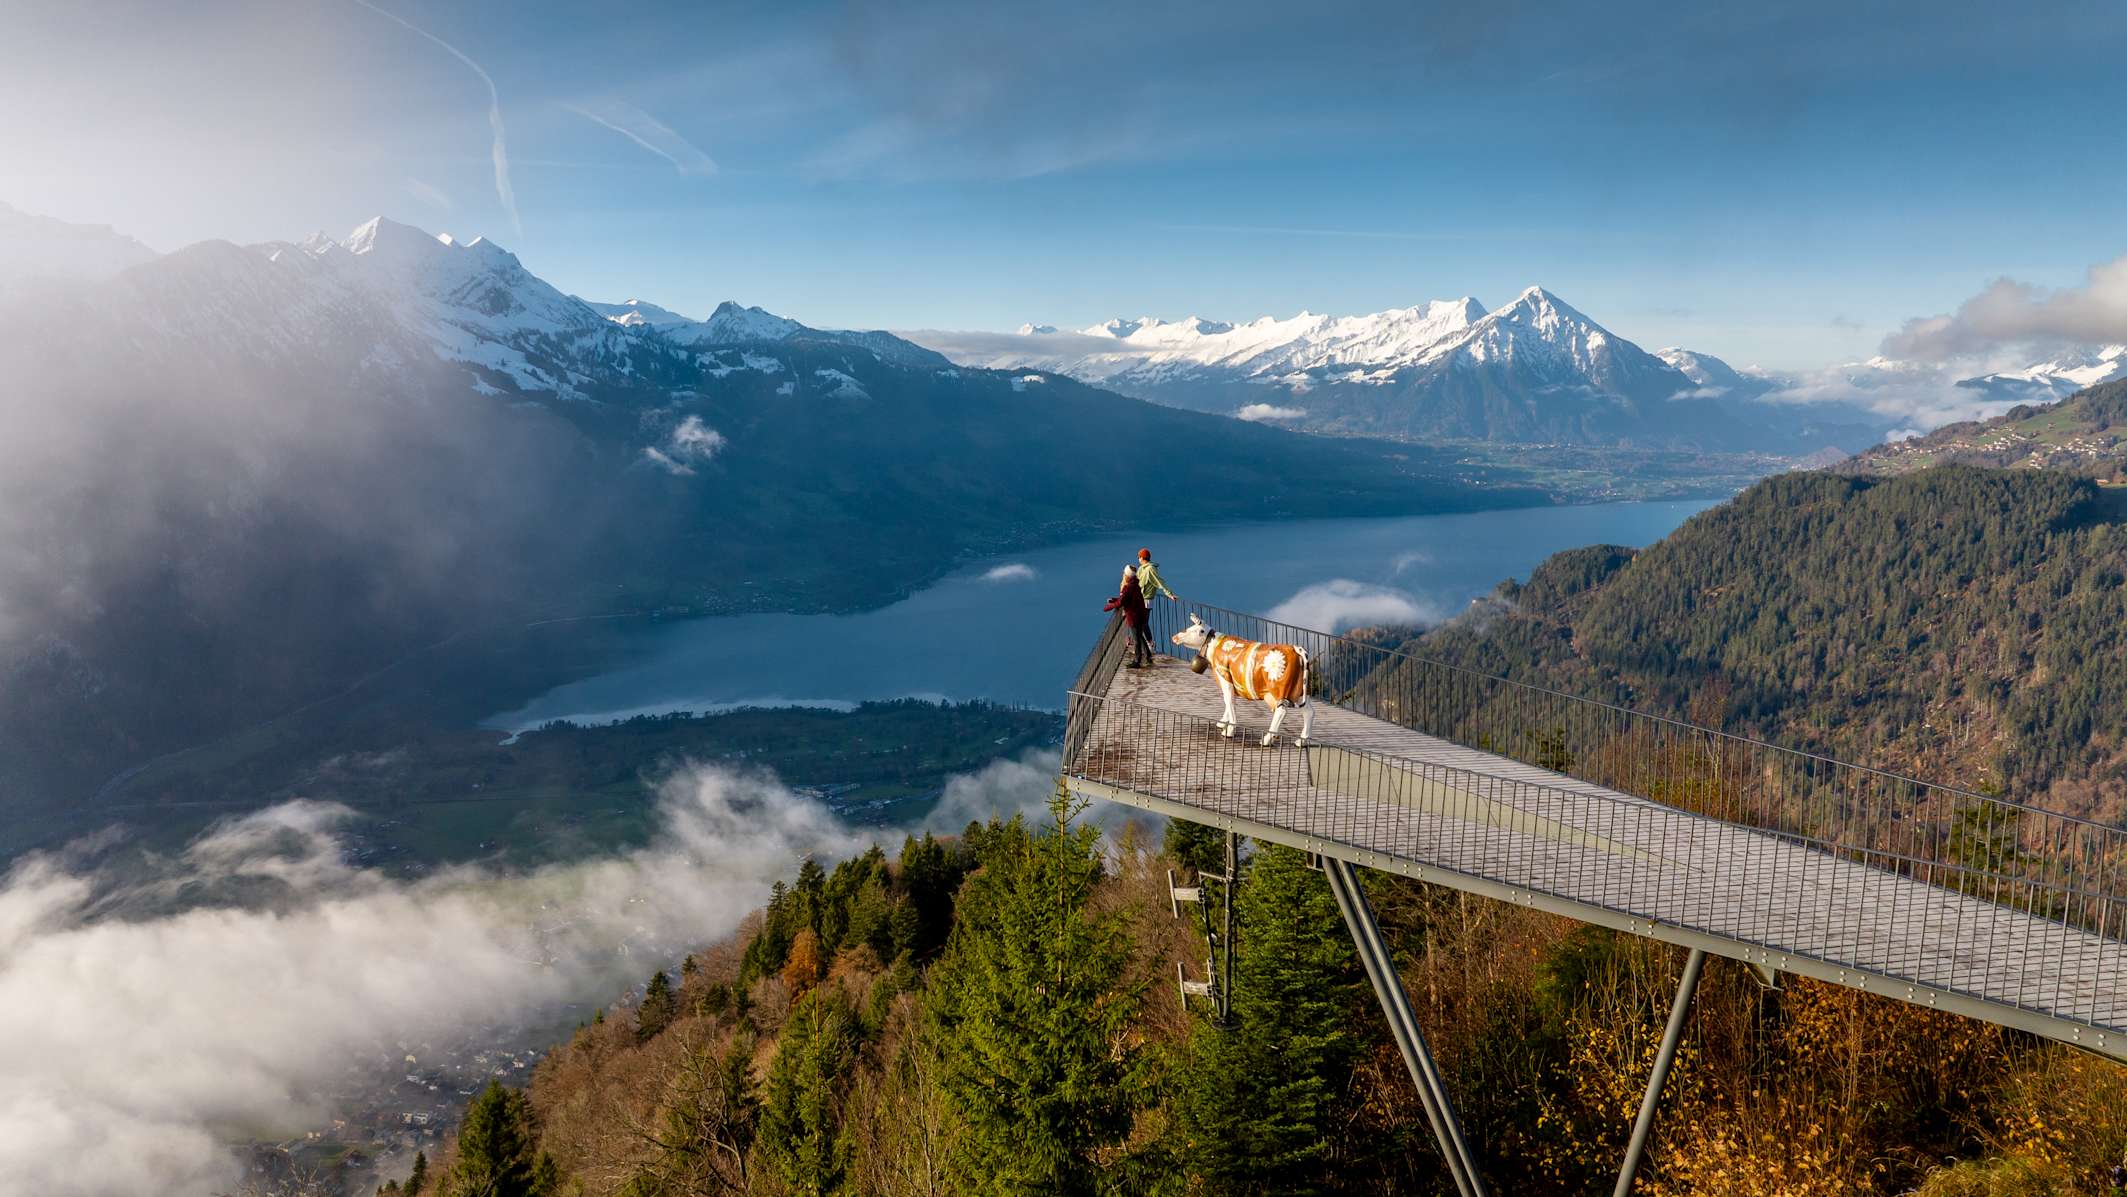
[(1015, 629)]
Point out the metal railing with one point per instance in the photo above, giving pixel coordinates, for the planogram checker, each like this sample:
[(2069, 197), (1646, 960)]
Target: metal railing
[(1961, 928), (2005, 850)]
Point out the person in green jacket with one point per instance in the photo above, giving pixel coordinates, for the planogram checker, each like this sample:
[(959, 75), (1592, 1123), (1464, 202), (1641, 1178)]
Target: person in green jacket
[(1148, 578)]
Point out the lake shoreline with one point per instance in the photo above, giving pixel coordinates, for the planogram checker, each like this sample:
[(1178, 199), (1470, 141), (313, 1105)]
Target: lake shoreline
[(694, 661)]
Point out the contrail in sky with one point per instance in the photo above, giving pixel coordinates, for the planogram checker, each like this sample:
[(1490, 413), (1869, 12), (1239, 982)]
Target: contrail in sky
[(651, 134), (501, 151)]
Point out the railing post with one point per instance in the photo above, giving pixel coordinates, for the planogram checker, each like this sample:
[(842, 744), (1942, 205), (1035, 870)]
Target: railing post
[(1644, 1124), (1403, 1025)]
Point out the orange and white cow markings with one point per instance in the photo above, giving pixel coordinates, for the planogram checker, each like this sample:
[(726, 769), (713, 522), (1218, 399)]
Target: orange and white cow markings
[(1272, 674), (1260, 672)]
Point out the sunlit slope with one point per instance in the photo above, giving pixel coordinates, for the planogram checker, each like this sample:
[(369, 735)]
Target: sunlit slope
[(1963, 625)]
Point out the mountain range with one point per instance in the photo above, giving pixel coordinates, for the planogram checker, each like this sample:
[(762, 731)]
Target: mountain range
[(235, 480), (38, 250), (1535, 371)]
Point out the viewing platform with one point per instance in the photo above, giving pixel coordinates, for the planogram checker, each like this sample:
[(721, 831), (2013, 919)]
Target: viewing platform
[(1789, 862)]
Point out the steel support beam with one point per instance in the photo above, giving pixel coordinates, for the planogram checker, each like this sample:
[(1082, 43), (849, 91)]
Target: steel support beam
[(1403, 1025), (2106, 1041), (1643, 1126)]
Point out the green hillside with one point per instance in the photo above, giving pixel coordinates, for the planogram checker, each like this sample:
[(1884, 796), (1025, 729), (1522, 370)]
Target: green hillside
[(1962, 625), (2084, 435)]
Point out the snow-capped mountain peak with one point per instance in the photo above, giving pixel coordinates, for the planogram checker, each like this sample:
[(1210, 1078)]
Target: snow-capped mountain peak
[(1153, 348), (1543, 332), (733, 322), (400, 244), (2055, 378), (1714, 376), (1546, 313), (640, 313), (1535, 369)]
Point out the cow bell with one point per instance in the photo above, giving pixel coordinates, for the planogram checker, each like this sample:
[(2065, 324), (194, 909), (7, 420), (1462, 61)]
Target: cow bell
[(1199, 665)]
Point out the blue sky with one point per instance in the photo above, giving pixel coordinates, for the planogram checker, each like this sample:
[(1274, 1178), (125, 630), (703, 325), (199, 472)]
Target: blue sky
[(1782, 186)]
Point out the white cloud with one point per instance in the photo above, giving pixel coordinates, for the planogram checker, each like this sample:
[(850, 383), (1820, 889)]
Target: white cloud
[(1001, 788), (1003, 350), (691, 442), (696, 440), (1410, 560), (148, 1022), (1913, 394), (1342, 603), (659, 458), (1016, 571), (2010, 313), (139, 1042), (1268, 412)]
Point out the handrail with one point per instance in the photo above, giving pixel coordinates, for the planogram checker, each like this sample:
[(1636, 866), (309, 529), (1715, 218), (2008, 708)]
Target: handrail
[(1094, 678), (1801, 896), (1582, 700), (1735, 778), (1561, 794)]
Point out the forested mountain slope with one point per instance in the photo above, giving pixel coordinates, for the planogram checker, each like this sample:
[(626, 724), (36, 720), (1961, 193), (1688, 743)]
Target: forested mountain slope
[(1960, 624), (995, 1014)]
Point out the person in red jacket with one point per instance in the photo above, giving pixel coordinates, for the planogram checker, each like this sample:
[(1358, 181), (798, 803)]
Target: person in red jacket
[(1131, 601)]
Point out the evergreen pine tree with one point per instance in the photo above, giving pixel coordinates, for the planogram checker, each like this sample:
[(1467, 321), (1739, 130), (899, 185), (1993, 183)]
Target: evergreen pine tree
[(417, 1178), (1195, 846), (1261, 1099), (1030, 1012), (497, 1154), (801, 1141), (657, 1008), (930, 874)]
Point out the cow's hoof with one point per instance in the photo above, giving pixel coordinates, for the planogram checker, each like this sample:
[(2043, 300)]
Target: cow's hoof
[(1270, 739), (1300, 743), (1227, 730)]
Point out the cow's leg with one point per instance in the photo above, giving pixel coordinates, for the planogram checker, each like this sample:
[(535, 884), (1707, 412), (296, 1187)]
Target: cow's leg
[(1277, 720), (1307, 723), (1227, 724)]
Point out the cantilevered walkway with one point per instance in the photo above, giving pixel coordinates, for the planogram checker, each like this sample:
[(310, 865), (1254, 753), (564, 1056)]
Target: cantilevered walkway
[(1789, 862)]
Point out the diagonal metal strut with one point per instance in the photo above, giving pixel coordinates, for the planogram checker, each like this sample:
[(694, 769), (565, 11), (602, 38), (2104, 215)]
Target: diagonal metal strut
[(1403, 1025), (1644, 1124)]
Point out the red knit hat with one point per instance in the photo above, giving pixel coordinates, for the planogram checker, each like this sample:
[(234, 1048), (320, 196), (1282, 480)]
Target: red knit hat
[(1144, 554)]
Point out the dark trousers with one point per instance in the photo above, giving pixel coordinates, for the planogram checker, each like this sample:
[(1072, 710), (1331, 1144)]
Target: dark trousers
[(1141, 643)]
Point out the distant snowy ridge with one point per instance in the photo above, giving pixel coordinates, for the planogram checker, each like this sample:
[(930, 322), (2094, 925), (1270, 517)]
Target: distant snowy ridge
[(1150, 348), (1309, 349), (36, 249), (2055, 378), (1536, 369), (734, 324), (474, 303)]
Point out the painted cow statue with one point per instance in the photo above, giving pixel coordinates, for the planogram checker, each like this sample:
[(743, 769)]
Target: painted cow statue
[(1272, 674)]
